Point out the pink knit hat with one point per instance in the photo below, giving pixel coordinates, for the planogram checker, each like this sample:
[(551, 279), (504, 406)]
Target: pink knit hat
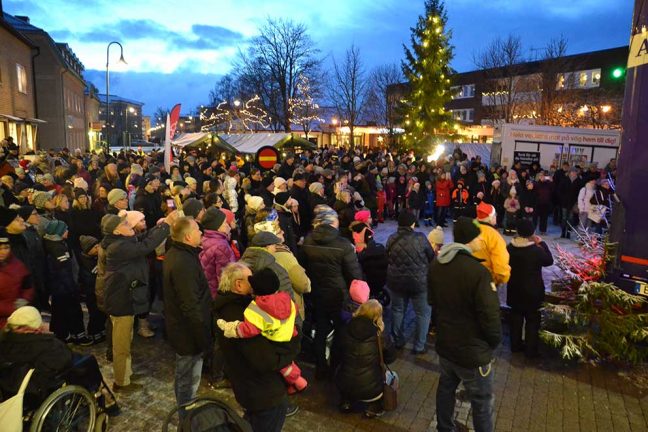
[(362, 216), (359, 291)]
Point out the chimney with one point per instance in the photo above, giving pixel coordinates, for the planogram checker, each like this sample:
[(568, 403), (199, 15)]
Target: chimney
[(22, 17)]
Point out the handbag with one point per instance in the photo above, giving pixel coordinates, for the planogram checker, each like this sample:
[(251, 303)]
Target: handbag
[(390, 381), (11, 410), (597, 211)]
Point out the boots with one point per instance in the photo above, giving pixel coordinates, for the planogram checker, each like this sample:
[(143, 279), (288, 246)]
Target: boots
[(144, 329)]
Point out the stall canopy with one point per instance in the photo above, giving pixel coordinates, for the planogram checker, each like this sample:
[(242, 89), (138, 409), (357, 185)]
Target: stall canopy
[(198, 138), (252, 142)]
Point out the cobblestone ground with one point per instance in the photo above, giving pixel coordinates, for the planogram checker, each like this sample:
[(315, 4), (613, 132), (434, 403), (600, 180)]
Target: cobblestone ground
[(543, 395)]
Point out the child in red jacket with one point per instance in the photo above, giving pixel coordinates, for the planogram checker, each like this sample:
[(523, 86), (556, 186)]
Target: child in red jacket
[(271, 314)]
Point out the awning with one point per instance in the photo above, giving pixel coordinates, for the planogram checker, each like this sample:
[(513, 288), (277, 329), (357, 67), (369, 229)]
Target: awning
[(250, 143), (12, 118), (197, 138), (34, 120)]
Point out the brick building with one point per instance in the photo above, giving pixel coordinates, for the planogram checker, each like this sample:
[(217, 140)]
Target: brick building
[(59, 88), (93, 123), (17, 104)]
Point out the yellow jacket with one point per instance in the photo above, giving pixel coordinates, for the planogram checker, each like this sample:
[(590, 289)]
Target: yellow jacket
[(493, 253)]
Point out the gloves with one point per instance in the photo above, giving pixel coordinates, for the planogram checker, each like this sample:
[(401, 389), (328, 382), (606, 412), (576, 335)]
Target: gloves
[(229, 328)]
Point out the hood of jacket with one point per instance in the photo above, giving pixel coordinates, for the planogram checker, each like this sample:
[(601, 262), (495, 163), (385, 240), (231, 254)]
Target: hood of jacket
[(361, 328), (277, 305), (258, 257), (325, 234), (215, 236), (521, 242), (450, 251)]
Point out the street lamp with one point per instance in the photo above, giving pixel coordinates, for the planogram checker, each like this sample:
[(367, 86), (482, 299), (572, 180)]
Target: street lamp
[(121, 61)]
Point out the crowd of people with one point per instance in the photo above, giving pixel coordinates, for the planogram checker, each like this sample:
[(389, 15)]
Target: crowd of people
[(253, 267)]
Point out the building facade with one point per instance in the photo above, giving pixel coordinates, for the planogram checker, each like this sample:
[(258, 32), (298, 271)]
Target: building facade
[(581, 90), (17, 103), (93, 124), (59, 89), (123, 122)]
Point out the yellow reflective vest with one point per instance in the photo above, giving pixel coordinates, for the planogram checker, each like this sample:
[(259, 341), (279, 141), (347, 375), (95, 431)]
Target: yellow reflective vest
[(271, 328)]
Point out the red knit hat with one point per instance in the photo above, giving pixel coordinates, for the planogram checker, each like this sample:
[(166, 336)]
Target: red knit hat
[(229, 216), (484, 211)]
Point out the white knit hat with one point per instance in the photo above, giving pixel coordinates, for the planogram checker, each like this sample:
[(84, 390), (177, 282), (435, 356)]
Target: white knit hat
[(133, 217), (80, 182), (26, 316)]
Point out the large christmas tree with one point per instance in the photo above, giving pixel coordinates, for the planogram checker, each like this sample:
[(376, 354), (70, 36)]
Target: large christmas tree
[(426, 67)]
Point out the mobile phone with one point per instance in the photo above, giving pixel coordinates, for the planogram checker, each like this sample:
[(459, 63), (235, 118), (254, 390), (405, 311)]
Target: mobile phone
[(171, 203)]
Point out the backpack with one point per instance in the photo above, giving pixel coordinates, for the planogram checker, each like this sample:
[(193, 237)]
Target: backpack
[(208, 414)]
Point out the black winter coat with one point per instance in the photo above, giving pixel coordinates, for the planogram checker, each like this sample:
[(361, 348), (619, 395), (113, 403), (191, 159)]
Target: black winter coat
[(331, 264), (373, 260), (287, 224), (252, 365), (359, 375), (466, 308), (43, 352), (409, 253), (305, 215), (568, 192), (346, 215), (187, 301), (126, 288), (150, 204), (525, 290), (60, 268)]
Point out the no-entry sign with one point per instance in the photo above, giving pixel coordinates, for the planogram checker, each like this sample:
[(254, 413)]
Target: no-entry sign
[(267, 157)]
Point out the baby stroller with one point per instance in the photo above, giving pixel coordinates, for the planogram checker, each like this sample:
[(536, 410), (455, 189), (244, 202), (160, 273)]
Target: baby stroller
[(206, 414)]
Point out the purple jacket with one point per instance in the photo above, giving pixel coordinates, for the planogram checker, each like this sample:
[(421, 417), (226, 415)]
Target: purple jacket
[(216, 254)]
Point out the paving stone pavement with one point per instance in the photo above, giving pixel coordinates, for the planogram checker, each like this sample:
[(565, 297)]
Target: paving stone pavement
[(543, 395)]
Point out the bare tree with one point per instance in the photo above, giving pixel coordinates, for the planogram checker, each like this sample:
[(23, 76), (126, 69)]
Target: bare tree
[(272, 66), (509, 94), (378, 108), (553, 65), (227, 89), (304, 109), (347, 88)]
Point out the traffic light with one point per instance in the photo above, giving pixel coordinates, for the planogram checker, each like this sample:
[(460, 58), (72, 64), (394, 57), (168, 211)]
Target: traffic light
[(618, 72)]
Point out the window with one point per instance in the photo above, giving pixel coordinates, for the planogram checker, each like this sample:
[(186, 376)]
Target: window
[(464, 115), (463, 91), (579, 80), (21, 75)]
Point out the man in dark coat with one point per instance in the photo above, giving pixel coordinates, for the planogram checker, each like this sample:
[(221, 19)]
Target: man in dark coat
[(187, 308), (252, 365), (468, 324), (525, 290), (300, 192), (331, 264), (568, 190), (409, 254), (149, 201), (126, 285)]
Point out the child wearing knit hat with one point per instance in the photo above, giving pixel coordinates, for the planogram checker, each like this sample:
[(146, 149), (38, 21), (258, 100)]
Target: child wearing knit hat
[(358, 294), (436, 239), (272, 314)]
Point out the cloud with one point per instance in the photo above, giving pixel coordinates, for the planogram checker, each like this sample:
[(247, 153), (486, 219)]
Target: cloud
[(201, 37)]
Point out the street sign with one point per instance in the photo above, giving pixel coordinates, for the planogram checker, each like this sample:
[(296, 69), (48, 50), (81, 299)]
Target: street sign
[(267, 157)]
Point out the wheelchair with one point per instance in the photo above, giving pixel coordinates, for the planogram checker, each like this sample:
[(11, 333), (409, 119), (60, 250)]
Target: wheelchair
[(69, 407)]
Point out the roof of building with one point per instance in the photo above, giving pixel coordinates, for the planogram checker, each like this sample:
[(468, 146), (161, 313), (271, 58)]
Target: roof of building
[(11, 29), (62, 50), (116, 98)]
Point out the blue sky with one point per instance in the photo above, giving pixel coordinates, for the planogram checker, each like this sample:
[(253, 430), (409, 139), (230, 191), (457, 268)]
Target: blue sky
[(176, 50)]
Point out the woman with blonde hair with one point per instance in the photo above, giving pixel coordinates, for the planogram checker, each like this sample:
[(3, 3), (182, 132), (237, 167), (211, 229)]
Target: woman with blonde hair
[(359, 375)]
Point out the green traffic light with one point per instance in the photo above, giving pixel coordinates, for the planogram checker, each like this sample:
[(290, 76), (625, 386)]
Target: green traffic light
[(617, 73)]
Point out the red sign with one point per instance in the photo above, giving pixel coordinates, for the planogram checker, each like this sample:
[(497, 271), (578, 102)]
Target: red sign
[(267, 157)]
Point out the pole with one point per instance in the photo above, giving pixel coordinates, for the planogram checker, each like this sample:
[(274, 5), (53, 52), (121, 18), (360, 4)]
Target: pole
[(628, 227), (121, 60)]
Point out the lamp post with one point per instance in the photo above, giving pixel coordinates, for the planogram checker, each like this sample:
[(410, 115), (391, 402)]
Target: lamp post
[(122, 61)]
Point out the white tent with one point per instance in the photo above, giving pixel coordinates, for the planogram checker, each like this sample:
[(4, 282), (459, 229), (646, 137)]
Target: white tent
[(252, 142), (186, 139)]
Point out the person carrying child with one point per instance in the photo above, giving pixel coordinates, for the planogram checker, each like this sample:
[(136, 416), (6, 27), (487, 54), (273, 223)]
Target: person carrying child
[(271, 314)]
